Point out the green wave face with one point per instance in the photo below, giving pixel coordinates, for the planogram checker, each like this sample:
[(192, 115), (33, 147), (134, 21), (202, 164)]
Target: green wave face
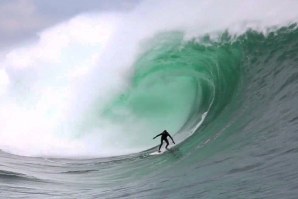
[(175, 82), (247, 86)]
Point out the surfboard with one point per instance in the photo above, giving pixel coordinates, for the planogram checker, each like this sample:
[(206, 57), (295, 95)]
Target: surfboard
[(162, 151), (157, 153)]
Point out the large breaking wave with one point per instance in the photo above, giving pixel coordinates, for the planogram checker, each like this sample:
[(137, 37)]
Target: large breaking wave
[(105, 84)]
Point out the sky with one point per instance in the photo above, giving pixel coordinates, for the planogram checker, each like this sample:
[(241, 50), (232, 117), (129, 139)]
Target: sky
[(21, 20)]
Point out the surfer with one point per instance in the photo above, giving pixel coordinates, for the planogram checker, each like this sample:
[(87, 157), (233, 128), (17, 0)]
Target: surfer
[(164, 137)]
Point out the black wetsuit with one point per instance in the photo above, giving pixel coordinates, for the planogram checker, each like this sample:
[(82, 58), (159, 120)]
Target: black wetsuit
[(164, 137)]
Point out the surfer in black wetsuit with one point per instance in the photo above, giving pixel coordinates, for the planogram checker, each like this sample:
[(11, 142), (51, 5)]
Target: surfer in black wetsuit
[(164, 137)]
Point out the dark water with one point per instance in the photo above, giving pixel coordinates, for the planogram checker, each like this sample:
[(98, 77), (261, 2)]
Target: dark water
[(245, 148)]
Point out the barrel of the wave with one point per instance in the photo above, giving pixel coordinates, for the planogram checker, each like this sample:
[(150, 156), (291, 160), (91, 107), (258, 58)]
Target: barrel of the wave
[(175, 85)]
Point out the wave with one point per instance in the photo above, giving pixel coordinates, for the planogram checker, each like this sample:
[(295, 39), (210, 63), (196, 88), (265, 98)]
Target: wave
[(107, 89), (9, 176)]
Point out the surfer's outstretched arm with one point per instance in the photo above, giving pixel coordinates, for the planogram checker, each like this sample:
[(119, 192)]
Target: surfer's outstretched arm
[(157, 136)]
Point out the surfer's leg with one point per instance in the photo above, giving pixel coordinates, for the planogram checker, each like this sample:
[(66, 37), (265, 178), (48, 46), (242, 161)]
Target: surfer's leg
[(160, 145), (167, 144)]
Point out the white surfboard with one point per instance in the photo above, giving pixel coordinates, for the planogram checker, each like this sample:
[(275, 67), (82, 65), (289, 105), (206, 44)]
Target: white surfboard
[(161, 151), (157, 153)]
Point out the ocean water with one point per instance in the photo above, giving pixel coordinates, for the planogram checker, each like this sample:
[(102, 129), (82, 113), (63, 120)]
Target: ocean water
[(79, 107)]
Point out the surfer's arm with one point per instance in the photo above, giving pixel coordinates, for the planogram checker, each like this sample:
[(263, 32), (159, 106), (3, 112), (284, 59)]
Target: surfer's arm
[(157, 136), (172, 139)]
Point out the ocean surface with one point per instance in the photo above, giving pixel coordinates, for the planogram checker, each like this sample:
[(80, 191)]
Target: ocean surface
[(79, 107)]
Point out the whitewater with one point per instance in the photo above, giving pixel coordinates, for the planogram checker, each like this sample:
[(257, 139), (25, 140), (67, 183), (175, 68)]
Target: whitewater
[(80, 105)]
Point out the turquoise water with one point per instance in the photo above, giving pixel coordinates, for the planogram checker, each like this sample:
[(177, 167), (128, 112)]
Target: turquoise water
[(246, 147)]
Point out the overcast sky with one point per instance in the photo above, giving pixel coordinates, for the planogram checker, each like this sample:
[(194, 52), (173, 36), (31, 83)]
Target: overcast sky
[(21, 20)]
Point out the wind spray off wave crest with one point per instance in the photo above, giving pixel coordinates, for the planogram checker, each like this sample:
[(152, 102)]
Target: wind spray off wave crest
[(71, 93), (41, 80)]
